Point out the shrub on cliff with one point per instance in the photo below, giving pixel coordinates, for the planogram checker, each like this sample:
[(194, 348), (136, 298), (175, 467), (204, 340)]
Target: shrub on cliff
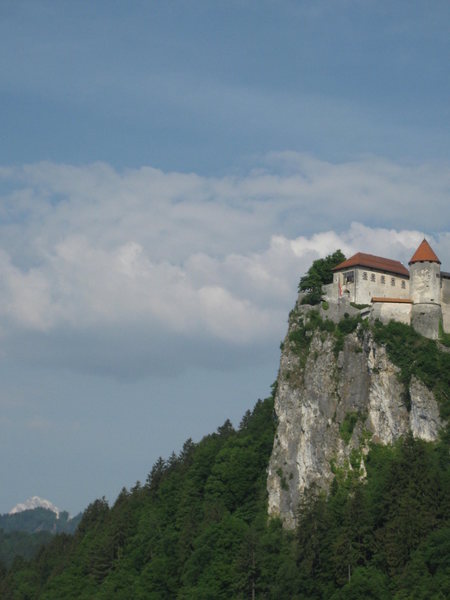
[(319, 273)]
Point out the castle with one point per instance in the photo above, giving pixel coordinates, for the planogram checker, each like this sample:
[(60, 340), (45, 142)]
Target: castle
[(419, 296)]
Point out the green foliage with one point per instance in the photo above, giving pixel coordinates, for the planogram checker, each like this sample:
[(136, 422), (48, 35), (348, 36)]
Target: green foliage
[(202, 531), (300, 339), (359, 306), (348, 425), (444, 338), (319, 273), (345, 326), (313, 297), (301, 333), (418, 356), (196, 529), (367, 583), (283, 482), (383, 538), (20, 543), (348, 324), (302, 329), (24, 533)]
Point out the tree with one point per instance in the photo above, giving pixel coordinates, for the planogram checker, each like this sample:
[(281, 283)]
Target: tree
[(319, 273), (366, 583), (155, 476)]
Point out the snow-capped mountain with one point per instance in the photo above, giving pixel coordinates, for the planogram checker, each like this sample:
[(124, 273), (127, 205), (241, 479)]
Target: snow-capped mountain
[(34, 502)]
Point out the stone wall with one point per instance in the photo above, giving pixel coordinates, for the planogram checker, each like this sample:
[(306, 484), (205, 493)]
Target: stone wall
[(425, 282), (425, 319), (392, 311), (445, 303)]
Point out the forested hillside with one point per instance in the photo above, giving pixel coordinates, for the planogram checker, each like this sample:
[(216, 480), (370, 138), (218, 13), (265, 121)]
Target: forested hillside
[(20, 543), (198, 527), (39, 519)]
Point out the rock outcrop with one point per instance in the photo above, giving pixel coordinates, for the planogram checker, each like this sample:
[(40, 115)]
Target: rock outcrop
[(335, 393)]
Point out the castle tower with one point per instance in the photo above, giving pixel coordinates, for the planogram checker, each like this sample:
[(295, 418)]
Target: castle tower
[(425, 291)]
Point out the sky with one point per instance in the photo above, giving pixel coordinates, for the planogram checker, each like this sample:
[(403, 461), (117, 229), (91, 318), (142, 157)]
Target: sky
[(168, 171)]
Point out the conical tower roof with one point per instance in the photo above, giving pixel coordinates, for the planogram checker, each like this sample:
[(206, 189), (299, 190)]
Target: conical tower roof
[(424, 253)]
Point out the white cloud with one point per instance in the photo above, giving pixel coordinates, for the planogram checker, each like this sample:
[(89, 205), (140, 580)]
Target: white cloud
[(157, 255)]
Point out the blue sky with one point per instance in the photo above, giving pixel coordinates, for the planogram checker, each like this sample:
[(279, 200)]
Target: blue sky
[(206, 85), (168, 170)]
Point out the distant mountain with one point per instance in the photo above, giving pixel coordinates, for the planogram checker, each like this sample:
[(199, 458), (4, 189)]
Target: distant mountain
[(40, 518), (29, 525), (32, 503)]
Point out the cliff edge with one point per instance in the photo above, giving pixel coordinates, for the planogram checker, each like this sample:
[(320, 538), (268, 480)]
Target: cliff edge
[(337, 392)]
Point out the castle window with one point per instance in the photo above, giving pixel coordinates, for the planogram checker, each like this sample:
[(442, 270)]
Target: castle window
[(403, 285), (383, 279), (364, 275), (392, 281), (349, 277), (372, 277)]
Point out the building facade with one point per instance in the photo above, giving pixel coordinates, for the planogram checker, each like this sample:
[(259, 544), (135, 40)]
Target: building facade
[(419, 296)]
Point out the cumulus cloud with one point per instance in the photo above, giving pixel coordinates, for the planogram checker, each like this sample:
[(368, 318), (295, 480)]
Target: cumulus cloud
[(152, 262)]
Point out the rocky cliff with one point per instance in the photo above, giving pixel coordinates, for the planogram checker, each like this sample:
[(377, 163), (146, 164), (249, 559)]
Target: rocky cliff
[(337, 391)]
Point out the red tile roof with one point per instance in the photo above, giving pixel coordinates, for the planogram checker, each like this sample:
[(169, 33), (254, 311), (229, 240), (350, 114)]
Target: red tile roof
[(424, 253), (373, 262), (397, 300)]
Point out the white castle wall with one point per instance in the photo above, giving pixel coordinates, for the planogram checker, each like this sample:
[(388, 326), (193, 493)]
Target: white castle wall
[(445, 303), (388, 311), (425, 319), (425, 286), (425, 282), (369, 284)]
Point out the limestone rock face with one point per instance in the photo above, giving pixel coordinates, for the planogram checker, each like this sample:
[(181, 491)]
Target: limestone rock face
[(330, 401), (424, 416)]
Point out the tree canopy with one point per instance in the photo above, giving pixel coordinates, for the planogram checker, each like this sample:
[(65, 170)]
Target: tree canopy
[(319, 273)]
